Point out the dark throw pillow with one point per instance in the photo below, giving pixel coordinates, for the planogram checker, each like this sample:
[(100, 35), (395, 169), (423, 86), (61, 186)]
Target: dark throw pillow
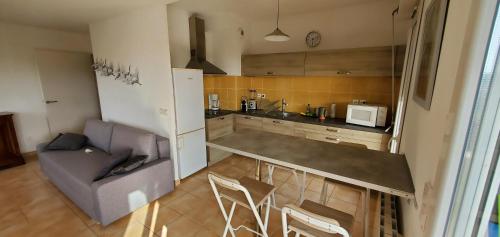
[(116, 159), (129, 165), (67, 141)]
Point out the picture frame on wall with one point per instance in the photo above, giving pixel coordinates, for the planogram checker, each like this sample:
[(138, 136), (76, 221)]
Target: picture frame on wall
[(429, 49)]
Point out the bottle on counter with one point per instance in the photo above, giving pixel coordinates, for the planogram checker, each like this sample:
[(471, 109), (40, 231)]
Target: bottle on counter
[(244, 107)]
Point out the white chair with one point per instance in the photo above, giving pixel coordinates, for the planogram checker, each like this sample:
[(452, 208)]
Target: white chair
[(301, 183), (246, 192), (315, 220), (324, 191)]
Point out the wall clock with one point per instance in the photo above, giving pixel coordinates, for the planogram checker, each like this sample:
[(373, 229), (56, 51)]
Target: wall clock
[(313, 39)]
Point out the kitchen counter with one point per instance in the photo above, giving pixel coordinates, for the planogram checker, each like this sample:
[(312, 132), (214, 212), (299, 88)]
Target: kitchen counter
[(296, 117)]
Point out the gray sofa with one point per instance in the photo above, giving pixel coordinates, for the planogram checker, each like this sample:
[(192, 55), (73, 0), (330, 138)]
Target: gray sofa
[(111, 198)]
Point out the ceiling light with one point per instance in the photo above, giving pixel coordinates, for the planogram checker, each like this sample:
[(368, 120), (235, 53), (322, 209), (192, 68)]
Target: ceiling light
[(277, 35)]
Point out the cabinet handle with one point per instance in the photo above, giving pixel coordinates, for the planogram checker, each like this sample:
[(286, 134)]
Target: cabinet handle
[(274, 121), (332, 139), (270, 73), (221, 118), (332, 130), (246, 117)]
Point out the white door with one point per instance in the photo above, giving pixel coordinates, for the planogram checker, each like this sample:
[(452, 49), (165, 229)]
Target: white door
[(69, 88), (189, 103), (192, 152)]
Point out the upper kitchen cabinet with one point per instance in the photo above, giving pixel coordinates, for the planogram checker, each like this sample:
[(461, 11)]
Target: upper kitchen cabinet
[(374, 61), (276, 64), (353, 62)]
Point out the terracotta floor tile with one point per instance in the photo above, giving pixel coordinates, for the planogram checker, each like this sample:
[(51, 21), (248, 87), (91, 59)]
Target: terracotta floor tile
[(182, 227), (156, 218), (12, 218)]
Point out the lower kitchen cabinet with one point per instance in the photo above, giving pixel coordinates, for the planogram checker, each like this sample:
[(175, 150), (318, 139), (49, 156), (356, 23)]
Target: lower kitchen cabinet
[(215, 128), (373, 141), (246, 121), (278, 126)]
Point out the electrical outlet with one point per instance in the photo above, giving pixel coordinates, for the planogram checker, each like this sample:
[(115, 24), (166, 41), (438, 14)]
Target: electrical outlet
[(259, 95), (362, 101), (263, 96), (163, 111), (355, 101)]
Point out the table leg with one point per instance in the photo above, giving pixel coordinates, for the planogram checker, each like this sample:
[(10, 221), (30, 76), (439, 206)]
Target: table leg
[(367, 213)]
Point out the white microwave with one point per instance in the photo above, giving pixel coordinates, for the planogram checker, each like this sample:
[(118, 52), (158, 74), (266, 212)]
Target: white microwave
[(366, 115)]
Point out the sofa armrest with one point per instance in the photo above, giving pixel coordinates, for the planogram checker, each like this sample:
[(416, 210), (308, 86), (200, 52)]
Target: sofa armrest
[(163, 144), (117, 196)]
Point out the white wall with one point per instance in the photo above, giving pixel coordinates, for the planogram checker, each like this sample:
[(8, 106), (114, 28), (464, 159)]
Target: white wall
[(20, 86), (359, 25), (223, 40), (427, 134), (140, 39)]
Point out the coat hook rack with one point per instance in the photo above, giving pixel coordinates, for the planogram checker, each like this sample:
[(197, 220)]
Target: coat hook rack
[(107, 69)]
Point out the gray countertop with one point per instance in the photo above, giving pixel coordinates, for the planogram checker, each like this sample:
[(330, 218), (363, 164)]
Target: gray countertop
[(376, 170), (295, 117)]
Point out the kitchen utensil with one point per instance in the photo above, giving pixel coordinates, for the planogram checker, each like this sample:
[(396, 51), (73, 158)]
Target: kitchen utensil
[(332, 110)]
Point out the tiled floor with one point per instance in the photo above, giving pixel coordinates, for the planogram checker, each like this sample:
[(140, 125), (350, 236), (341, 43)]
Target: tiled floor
[(32, 206)]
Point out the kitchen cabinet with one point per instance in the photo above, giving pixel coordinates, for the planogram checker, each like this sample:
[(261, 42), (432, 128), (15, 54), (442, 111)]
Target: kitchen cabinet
[(215, 128), (356, 62), (374, 141), (353, 62), (246, 121), (276, 64), (278, 126)]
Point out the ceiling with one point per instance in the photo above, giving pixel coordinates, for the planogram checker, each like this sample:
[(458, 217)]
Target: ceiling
[(265, 9), (69, 15), (75, 15)]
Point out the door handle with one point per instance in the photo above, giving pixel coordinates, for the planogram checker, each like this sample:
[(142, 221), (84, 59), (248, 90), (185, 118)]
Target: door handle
[(51, 101)]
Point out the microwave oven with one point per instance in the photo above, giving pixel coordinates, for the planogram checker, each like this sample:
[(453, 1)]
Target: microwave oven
[(366, 115)]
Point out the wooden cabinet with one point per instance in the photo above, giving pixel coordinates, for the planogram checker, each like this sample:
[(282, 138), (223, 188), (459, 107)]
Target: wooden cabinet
[(277, 64), (374, 141), (246, 121), (354, 62), (357, 62), (10, 155), (215, 128), (278, 126)]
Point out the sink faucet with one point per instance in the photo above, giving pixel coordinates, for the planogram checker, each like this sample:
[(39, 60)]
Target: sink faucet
[(283, 105)]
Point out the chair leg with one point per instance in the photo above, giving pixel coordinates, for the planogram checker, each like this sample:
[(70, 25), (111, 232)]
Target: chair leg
[(324, 193), (302, 188), (266, 218), (284, 225), (259, 221), (228, 221), (270, 169), (297, 234)]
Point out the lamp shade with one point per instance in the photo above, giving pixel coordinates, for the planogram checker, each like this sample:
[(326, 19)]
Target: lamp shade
[(277, 36)]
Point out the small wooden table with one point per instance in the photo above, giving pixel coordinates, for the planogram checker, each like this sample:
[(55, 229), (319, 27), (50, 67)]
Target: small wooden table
[(10, 154), (373, 170)]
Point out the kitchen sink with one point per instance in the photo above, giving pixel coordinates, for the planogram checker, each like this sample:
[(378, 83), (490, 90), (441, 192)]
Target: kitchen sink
[(279, 114)]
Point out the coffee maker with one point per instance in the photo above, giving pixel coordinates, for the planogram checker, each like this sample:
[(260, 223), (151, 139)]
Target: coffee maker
[(213, 102)]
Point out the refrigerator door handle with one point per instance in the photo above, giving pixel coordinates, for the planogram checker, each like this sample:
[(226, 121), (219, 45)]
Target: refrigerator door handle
[(180, 143)]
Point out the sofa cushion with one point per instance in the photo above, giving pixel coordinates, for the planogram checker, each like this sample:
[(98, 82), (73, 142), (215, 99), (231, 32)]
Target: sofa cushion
[(98, 134), (67, 141), (141, 142), (73, 173), (116, 159)]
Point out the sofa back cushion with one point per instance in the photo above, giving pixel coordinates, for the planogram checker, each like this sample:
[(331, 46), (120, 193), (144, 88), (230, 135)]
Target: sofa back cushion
[(141, 142), (99, 134)]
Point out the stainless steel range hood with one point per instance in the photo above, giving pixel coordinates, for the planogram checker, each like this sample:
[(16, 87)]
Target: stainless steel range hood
[(198, 51)]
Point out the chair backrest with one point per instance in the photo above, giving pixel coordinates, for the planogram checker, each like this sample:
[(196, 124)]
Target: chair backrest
[(312, 220), (224, 181)]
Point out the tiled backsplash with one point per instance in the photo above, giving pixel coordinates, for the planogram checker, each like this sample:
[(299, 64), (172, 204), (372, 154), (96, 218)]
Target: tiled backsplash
[(300, 91)]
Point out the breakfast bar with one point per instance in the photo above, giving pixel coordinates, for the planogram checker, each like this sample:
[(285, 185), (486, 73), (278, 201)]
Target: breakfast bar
[(370, 169)]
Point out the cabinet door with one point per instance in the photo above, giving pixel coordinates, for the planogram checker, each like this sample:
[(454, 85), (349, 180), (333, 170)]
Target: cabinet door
[(361, 62), (244, 121), (278, 126), (218, 127), (280, 64)]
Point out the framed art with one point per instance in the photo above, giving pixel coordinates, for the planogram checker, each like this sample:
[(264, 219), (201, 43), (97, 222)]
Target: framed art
[(429, 48)]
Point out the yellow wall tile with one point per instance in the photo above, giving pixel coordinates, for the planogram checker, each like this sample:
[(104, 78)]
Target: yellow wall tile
[(300, 91)]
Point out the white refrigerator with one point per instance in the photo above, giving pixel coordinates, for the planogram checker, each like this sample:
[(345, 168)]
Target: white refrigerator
[(190, 120)]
